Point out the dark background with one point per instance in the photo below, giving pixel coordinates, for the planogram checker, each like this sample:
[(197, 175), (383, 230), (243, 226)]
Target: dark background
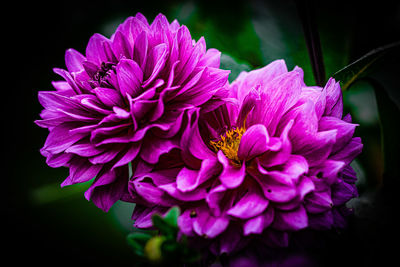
[(48, 225)]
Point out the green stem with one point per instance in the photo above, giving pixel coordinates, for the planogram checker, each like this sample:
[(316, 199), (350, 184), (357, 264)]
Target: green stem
[(306, 13)]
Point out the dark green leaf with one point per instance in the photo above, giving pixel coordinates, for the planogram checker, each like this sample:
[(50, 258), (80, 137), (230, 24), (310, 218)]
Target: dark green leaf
[(171, 247), (226, 32), (306, 10), (138, 241), (236, 67), (172, 216), (389, 115), (168, 224), (360, 67), (281, 36)]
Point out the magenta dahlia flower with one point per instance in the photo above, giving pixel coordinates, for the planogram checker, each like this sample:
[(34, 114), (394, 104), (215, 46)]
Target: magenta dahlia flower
[(273, 159), (124, 100)]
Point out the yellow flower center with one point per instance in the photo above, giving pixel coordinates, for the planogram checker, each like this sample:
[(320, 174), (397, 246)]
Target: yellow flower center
[(229, 144)]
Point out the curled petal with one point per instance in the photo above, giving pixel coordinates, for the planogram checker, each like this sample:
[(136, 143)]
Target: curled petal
[(273, 190), (231, 176), (344, 129), (277, 96), (188, 180), (350, 151), (214, 198), (73, 60), (155, 147), (109, 97), (248, 80), (293, 220), (318, 202), (130, 77), (207, 225), (185, 222), (96, 50), (251, 204), (334, 102), (107, 189), (254, 142), (257, 224)]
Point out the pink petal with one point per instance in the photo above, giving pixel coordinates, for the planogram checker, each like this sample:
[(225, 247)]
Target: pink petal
[(277, 96), (207, 225), (334, 102), (344, 129), (73, 60), (254, 142), (257, 224), (153, 148), (293, 220), (231, 176), (130, 77), (108, 97), (350, 151), (246, 81), (211, 58), (251, 204), (185, 222), (95, 50)]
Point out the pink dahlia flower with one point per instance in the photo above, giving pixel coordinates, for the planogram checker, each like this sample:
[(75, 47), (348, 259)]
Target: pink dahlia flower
[(125, 100), (273, 159)]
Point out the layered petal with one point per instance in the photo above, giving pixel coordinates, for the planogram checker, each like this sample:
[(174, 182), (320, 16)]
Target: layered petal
[(129, 99)]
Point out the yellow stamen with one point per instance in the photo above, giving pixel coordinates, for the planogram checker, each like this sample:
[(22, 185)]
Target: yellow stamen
[(229, 144)]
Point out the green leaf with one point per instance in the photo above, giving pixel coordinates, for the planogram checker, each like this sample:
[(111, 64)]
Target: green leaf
[(138, 242), (359, 68), (172, 216), (389, 115), (168, 224), (236, 67), (54, 192), (281, 36), (224, 31)]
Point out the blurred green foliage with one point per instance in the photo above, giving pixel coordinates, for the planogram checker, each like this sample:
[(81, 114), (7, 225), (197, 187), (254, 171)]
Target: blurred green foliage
[(162, 246)]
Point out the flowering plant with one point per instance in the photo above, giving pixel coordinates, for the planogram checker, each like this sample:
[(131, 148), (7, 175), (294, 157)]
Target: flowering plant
[(218, 160)]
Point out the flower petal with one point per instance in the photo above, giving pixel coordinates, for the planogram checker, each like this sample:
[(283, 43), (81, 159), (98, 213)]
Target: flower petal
[(153, 148), (343, 192), (254, 142), (185, 222), (248, 80), (130, 78), (207, 225), (277, 96), (108, 97), (231, 176), (73, 60), (195, 195), (280, 155), (274, 190), (350, 151), (96, 50), (155, 62), (188, 180), (318, 202), (257, 224), (334, 102), (344, 129), (108, 188), (251, 204), (59, 138), (293, 220)]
